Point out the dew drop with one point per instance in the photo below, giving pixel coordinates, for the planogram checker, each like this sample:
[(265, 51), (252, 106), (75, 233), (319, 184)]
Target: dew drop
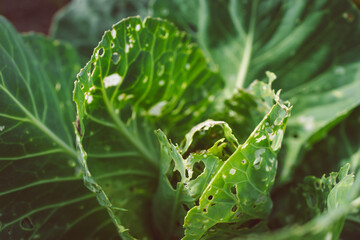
[(89, 98), (127, 48), (115, 58), (112, 80), (137, 27), (121, 96), (113, 33), (145, 79), (232, 171), (187, 66), (2, 128), (161, 83), (259, 139), (157, 108)]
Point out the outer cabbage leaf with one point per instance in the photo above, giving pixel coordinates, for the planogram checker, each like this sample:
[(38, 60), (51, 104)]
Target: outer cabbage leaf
[(42, 193), (312, 47), (142, 75), (74, 21)]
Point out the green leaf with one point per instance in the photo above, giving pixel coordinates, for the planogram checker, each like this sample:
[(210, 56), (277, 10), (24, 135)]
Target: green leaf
[(82, 22), (247, 107), (240, 190), (142, 75), (341, 193), (41, 192), (182, 180), (311, 47)]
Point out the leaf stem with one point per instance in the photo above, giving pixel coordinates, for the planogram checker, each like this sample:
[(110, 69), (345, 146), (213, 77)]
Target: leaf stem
[(124, 131), (174, 211), (245, 61)]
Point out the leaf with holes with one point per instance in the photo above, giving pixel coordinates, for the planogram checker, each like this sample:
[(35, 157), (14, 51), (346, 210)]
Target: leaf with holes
[(185, 172), (326, 202), (142, 75), (41, 192), (240, 190)]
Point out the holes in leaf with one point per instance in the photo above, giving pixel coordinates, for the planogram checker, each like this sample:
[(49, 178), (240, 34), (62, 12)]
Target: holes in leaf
[(213, 204), (233, 189), (197, 202), (210, 197), (173, 176), (198, 169), (186, 208), (205, 210), (176, 177), (186, 173), (115, 58), (101, 52), (234, 208), (26, 224), (254, 206), (295, 135), (238, 214)]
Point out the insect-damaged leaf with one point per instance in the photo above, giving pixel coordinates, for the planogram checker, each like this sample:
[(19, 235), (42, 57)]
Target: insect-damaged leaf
[(213, 180), (142, 75)]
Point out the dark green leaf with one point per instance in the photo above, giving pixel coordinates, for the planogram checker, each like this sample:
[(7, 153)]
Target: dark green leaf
[(41, 192), (342, 199)]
